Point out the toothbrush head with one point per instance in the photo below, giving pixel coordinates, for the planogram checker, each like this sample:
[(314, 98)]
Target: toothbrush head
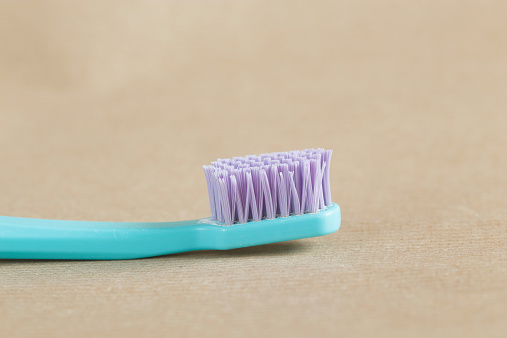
[(268, 186)]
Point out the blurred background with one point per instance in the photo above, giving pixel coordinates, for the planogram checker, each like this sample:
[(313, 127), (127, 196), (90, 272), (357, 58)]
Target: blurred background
[(108, 109)]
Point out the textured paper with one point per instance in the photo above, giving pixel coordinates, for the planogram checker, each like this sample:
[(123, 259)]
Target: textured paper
[(109, 109)]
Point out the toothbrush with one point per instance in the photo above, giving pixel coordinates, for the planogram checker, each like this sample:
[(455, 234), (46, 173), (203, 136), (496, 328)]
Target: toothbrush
[(253, 200)]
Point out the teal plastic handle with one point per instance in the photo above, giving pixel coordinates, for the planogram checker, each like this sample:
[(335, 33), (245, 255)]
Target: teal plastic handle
[(26, 238)]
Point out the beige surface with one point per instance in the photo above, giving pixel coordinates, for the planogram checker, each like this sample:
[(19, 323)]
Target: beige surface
[(108, 110)]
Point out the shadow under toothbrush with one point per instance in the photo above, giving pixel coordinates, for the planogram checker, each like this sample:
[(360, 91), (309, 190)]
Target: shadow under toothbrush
[(272, 249), (266, 250)]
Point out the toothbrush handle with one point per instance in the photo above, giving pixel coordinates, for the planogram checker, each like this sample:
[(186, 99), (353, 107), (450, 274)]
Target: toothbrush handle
[(25, 238)]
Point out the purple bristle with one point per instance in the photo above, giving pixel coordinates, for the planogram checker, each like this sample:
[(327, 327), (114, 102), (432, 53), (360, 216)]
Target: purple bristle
[(252, 188)]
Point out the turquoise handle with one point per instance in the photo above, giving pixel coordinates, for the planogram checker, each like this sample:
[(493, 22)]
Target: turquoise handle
[(25, 238)]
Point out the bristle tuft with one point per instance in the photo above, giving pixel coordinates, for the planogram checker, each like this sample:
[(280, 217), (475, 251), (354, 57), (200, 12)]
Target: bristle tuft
[(252, 188)]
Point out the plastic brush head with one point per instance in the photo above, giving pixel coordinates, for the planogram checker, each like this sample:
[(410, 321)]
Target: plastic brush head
[(267, 186)]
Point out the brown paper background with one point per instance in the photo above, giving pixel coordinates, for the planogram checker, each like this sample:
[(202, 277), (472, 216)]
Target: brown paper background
[(108, 109)]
